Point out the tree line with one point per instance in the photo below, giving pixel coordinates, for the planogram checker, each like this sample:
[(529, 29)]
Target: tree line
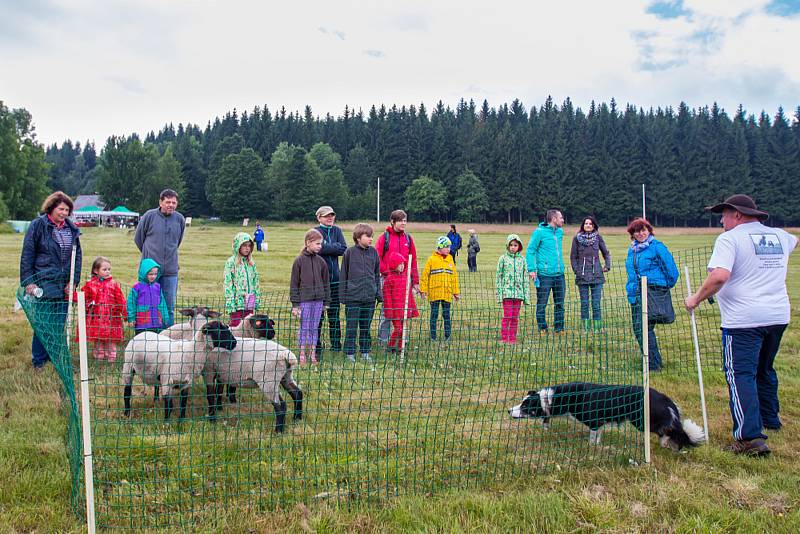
[(471, 163)]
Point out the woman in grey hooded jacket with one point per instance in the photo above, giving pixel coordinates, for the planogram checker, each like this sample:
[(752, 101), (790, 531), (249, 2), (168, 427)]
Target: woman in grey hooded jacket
[(585, 259)]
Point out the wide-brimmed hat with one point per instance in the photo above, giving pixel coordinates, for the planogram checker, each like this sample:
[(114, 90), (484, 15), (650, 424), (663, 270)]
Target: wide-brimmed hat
[(741, 203)]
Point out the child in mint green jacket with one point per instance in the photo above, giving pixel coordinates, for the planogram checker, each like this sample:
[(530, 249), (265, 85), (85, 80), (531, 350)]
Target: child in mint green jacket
[(241, 280), (513, 287)]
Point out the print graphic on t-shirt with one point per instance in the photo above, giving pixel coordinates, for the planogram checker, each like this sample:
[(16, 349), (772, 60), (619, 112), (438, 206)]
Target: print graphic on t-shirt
[(766, 244)]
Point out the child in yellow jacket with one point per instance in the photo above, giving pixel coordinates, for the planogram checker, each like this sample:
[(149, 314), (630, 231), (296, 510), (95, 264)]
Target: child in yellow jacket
[(439, 281)]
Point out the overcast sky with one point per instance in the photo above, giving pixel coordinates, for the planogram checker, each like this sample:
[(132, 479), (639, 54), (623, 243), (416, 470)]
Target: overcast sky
[(89, 69)]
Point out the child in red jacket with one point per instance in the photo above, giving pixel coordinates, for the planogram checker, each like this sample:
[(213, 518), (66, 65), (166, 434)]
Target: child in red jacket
[(105, 310), (394, 291)]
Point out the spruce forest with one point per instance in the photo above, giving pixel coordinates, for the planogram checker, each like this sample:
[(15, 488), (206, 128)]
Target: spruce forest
[(471, 164)]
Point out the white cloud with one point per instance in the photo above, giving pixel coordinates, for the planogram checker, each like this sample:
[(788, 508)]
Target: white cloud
[(102, 68)]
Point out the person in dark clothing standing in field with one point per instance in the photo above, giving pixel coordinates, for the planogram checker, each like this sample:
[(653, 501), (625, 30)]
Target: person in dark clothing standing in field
[(44, 269), (333, 246), (587, 245), (360, 289), (473, 247), (455, 241), (158, 236)]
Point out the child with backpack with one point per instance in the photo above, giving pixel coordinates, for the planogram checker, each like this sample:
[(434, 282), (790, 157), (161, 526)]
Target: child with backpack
[(396, 307)]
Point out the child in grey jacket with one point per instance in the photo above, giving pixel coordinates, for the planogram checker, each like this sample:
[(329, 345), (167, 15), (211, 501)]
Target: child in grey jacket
[(359, 290)]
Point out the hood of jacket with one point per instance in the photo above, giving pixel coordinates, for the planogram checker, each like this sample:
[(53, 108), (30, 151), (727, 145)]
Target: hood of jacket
[(240, 239), (145, 266), (395, 259)]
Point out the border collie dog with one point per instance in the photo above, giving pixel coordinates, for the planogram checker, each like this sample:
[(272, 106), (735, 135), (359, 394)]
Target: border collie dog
[(596, 405)]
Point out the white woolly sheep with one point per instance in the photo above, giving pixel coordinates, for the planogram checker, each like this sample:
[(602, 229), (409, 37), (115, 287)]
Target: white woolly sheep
[(252, 363), (169, 364)]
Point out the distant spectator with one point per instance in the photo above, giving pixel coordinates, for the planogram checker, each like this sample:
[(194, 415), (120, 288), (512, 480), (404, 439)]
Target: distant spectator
[(455, 240), (44, 266), (258, 236), (473, 247), (158, 236), (585, 259)]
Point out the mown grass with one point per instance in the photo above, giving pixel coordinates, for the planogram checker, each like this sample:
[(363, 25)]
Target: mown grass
[(425, 446)]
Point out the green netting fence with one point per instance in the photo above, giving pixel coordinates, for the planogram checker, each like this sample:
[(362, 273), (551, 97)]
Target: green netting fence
[(371, 430)]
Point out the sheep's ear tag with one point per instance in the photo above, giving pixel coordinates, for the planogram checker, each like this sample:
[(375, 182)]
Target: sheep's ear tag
[(259, 324)]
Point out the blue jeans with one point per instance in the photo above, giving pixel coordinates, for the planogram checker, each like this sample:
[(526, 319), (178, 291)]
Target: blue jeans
[(596, 291), (358, 318), (445, 317), (384, 324), (546, 284), (653, 352), (748, 357), (169, 287), (49, 319)]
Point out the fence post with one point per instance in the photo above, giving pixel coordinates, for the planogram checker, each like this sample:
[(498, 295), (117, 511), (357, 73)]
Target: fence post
[(69, 292), (645, 370), (405, 309), (86, 422), (697, 357)]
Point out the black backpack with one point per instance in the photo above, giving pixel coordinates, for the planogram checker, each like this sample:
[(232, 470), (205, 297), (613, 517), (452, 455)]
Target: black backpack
[(386, 241)]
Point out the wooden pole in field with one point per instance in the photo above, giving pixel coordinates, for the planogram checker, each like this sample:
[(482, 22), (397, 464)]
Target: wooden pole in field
[(86, 421), (644, 204), (697, 358), (70, 289), (406, 308), (645, 371)]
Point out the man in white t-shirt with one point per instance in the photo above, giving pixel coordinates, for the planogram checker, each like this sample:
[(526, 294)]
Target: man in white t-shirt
[(747, 272)]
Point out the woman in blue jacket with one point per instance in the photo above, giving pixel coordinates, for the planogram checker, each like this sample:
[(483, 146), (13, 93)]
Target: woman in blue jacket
[(651, 258), (44, 270)]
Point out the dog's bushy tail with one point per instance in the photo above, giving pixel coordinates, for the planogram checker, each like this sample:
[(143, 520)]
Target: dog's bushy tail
[(693, 432)]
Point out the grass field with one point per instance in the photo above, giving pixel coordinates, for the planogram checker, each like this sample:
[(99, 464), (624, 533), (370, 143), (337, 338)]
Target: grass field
[(442, 472)]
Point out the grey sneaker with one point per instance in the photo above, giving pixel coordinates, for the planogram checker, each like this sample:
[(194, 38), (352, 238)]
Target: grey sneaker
[(351, 357), (365, 357), (752, 447)]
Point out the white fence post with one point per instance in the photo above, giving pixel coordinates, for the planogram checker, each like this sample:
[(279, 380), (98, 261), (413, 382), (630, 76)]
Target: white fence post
[(697, 357), (645, 370), (406, 309), (86, 422)]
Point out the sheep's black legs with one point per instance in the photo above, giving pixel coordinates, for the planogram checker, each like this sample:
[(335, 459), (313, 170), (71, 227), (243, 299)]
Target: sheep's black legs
[(211, 397), (167, 406), (280, 415), (297, 396), (232, 393), (127, 400), (218, 391), (184, 399)]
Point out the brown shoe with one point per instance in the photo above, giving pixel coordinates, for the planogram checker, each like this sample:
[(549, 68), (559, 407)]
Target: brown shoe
[(753, 447)]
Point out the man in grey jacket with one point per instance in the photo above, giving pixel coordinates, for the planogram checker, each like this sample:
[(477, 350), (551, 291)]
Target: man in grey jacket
[(158, 236)]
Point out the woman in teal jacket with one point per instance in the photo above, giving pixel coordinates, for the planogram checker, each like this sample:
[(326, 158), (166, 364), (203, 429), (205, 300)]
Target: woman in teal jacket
[(651, 258)]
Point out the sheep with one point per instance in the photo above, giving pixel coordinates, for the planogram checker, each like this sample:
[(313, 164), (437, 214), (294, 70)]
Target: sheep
[(254, 326), (169, 364), (198, 316), (253, 363)]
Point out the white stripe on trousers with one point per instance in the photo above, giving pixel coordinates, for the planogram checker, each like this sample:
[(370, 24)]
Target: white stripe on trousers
[(737, 412)]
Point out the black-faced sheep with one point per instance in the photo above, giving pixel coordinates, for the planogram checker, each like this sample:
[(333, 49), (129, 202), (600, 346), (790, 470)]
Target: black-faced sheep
[(170, 365), (198, 316), (253, 363)]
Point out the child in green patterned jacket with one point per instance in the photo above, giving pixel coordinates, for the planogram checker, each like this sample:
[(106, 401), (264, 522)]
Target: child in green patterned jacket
[(242, 292), (513, 287)]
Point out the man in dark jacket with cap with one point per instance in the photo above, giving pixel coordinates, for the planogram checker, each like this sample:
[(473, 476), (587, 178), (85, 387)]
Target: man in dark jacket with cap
[(747, 272), (333, 246)]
